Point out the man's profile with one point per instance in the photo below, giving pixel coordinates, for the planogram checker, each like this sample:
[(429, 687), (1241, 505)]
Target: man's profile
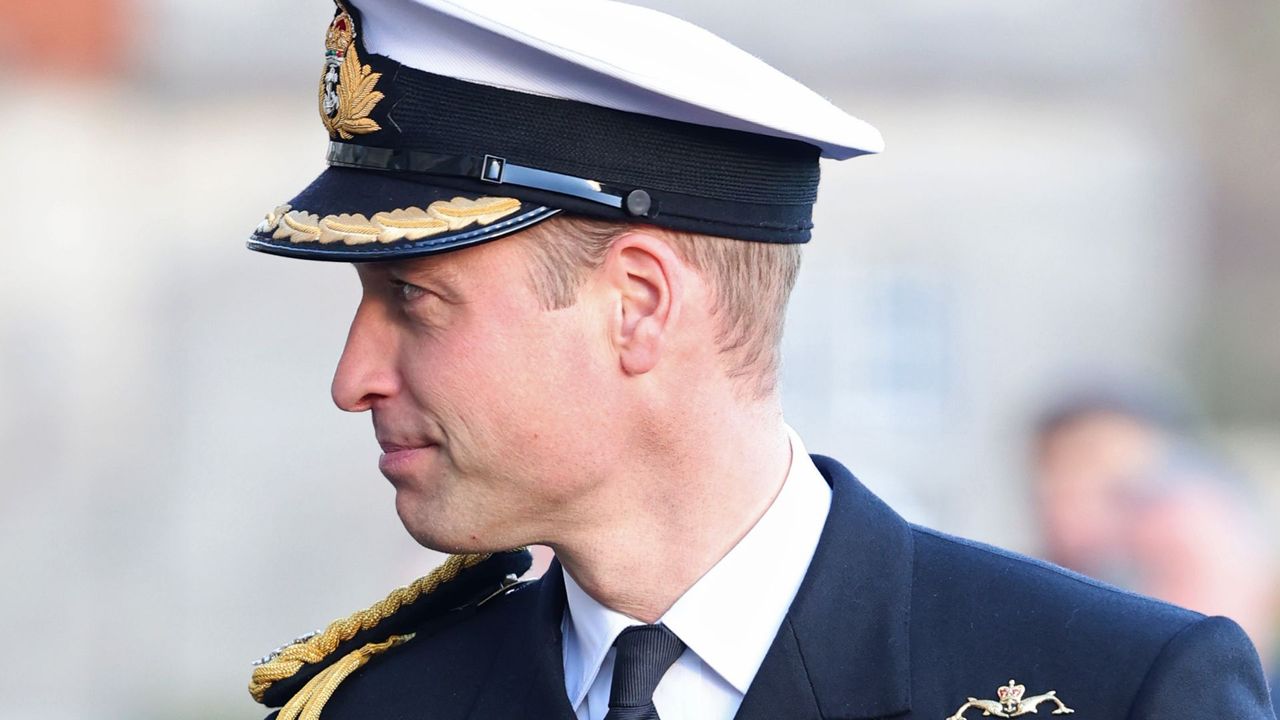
[(575, 251)]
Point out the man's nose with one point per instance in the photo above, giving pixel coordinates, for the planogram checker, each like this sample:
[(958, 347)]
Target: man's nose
[(365, 373)]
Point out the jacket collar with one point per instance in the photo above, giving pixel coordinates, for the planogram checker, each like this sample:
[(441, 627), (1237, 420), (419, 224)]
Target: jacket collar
[(526, 679), (843, 651)]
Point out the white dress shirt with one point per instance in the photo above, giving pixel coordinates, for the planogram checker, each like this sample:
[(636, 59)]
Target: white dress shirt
[(727, 620)]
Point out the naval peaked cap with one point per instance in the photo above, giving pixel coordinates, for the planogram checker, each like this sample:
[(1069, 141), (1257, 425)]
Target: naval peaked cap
[(458, 122)]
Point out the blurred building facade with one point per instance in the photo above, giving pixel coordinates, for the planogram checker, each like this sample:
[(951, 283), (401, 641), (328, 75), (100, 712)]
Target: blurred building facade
[(1067, 190)]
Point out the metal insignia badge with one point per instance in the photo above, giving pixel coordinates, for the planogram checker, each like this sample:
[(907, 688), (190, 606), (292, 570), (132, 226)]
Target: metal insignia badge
[(347, 93), (1011, 703)]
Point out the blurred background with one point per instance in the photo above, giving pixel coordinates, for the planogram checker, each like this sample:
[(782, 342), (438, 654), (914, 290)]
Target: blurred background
[(1048, 317)]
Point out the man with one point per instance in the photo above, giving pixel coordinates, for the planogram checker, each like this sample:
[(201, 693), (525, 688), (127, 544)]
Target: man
[(1095, 457), (575, 224)]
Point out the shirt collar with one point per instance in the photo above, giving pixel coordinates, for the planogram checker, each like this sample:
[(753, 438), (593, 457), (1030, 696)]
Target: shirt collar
[(589, 631), (731, 636)]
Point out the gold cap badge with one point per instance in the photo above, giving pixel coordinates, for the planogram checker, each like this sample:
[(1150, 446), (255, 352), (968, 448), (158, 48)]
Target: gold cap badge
[(347, 93)]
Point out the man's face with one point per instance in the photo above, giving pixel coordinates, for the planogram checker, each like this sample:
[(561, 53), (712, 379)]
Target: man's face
[(1092, 474), (488, 407)]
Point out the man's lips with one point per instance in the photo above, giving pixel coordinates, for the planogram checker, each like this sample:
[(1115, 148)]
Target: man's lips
[(390, 447), (398, 459)]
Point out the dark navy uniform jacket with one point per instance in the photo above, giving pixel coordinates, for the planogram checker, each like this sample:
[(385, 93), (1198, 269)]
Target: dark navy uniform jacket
[(892, 620)]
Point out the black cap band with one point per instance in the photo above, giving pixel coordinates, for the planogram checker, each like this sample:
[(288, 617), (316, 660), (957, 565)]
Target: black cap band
[(585, 158)]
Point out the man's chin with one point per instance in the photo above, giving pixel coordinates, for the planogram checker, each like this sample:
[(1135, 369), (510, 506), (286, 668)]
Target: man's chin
[(452, 545), (452, 535)]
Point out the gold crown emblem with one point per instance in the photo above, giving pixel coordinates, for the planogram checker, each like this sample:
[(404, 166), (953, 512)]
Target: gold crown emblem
[(342, 31), (1011, 693), (1012, 703)]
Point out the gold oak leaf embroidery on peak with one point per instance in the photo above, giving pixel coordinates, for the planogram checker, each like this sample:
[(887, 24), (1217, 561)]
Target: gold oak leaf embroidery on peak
[(272, 220), (299, 226), (461, 212)]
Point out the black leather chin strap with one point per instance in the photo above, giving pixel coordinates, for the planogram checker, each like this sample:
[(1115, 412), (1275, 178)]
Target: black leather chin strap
[(489, 168)]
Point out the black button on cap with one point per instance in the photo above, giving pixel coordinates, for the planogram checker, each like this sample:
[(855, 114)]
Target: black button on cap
[(639, 203)]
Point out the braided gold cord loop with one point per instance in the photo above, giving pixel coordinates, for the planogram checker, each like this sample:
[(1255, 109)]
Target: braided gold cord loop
[(311, 699), (292, 658)]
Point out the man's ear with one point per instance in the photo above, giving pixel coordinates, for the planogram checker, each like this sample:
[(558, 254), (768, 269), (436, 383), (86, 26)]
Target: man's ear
[(644, 274)]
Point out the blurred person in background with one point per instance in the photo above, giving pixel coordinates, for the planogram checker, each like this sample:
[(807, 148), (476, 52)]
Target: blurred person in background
[(1126, 495)]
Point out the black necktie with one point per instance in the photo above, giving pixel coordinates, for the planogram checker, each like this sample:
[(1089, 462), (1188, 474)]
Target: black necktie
[(645, 653)]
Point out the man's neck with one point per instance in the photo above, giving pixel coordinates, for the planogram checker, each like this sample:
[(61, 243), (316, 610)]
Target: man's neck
[(674, 521)]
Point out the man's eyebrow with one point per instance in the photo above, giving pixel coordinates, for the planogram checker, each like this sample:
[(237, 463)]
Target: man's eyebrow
[(445, 281), (420, 269)]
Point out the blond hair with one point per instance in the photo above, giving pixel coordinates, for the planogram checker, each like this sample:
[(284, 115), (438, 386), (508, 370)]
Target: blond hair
[(750, 283)]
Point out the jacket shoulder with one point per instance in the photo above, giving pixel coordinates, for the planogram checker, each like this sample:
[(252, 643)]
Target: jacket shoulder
[(445, 671), (468, 593), (1216, 649), (982, 616), (1018, 586), (1032, 596)]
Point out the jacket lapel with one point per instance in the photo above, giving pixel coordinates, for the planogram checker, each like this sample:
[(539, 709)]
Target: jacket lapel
[(843, 651), (527, 677), (781, 688)]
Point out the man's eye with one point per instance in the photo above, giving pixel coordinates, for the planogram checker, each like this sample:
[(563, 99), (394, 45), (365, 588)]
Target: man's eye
[(406, 292)]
